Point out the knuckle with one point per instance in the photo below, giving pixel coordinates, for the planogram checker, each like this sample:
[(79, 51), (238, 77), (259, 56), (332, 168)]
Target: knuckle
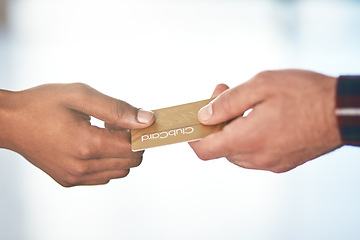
[(79, 169), (267, 162), (128, 153), (278, 170), (264, 76), (282, 168), (136, 154), (65, 184), (198, 150), (79, 87), (135, 162), (85, 150), (103, 182), (226, 104), (263, 80), (126, 147), (202, 155), (124, 173), (234, 160), (242, 162), (120, 109), (70, 180), (203, 151), (79, 90)]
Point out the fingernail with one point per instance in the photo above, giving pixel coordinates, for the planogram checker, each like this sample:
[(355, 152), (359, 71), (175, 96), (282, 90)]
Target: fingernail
[(205, 113), (144, 116)]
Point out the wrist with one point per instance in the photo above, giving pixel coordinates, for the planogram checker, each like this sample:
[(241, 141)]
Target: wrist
[(6, 119), (332, 134)]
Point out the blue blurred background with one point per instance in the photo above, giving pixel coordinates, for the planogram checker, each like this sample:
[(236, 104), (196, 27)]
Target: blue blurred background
[(158, 53)]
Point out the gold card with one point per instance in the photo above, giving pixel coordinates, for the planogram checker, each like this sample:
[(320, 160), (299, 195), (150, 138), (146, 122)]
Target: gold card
[(173, 125)]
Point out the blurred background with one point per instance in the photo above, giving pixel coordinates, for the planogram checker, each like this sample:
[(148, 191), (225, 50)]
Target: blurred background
[(159, 53)]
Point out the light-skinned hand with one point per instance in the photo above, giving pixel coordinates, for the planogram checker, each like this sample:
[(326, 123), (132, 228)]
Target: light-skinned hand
[(292, 121)]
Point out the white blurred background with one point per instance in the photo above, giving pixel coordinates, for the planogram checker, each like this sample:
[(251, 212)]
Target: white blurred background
[(158, 53)]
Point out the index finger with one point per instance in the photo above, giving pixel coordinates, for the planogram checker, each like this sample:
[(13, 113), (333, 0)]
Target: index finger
[(85, 99)]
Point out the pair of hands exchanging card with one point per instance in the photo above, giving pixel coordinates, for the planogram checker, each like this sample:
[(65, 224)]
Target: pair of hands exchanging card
[(292, 121)]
